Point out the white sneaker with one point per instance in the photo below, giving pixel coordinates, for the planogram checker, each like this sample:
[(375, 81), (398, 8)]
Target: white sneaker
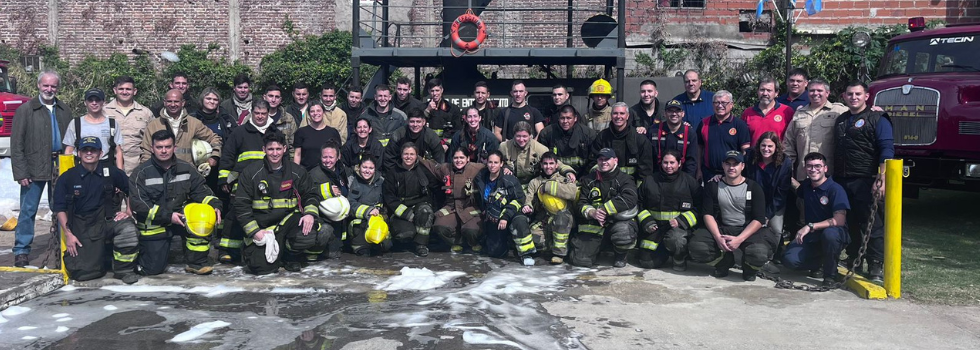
[(528, 261)]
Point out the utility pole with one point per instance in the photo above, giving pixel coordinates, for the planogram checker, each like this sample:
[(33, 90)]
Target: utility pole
[(790, 7)]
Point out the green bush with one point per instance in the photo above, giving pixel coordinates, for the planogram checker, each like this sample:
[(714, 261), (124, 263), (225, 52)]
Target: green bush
[(203, 71), (314, 60)]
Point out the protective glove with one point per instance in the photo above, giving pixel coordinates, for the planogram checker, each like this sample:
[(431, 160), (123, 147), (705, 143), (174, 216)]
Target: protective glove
[(204, 169)]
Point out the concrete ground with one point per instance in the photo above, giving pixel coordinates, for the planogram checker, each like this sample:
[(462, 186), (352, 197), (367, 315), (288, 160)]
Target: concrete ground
[(484, 304)]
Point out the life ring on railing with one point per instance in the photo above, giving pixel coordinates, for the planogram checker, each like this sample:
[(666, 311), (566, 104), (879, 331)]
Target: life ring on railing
[(481, 33)]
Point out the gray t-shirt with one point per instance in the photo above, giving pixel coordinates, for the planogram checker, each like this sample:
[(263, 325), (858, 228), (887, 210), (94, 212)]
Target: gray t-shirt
[(731, 201), (100, 130)]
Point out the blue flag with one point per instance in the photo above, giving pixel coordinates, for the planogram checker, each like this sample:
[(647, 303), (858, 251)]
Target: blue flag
[(813, 6), (758, 10)]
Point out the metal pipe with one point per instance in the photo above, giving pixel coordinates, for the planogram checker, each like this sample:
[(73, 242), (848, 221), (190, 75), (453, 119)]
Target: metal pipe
[(355, 25), (384, 23), (609, 7), (894, 170), (568, 39), (418, 82), (789, 37), (621, 60)]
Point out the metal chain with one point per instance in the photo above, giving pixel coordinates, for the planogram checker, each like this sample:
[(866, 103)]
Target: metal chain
[(787, 284)]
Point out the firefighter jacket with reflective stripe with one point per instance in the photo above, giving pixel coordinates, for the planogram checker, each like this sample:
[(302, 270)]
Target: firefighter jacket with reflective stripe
[(557, 185), (614, 192), (444, 120), (157, 193), (352, 152), (265, 196), (323, 179), (430, 146), (573, 147), (477, 145), (523, 161), (190, 129), (405, 187), (664, 197), (501, 199), (383, 125), (633, 150), (241, 149), (458, 187), (365, 195)]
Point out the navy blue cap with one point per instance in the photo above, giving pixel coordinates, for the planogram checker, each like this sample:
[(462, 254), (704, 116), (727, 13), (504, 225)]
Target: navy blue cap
[(90, 142)]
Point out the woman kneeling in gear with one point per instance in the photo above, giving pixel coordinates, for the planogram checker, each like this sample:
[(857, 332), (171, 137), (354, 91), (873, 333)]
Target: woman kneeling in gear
[(670, 200), (500, 196), (459, 219), (407, 193), (365, 202)]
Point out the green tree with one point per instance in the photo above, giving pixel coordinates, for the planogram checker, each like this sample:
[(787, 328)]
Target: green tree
[(314, 60)]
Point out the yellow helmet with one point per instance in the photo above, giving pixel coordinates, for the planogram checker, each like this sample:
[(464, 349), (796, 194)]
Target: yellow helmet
[(200, 219), (601, 87), (551, 203), (377, 230)]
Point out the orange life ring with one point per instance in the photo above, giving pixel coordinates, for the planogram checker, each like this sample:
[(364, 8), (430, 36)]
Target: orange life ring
[(481, 33)]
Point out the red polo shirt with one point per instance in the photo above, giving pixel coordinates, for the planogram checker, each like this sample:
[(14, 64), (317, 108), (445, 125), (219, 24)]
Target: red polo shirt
[(776, 120)]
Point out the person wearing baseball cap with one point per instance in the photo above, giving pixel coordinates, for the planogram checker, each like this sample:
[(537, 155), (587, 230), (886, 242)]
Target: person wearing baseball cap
[(734, 212), (608, 204), (90, 215), (95, 123), (673, 134)]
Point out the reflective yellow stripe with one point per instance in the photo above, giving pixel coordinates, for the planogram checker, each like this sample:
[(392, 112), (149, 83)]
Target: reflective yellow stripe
[(325, 191), (610, 207), (278, 203), (643, 215), (361, 211), (251, 227), (123, 257), (223, 173), (152, 214), (197, 244), (691, 218), (384, 142), (153, 231), (664, 215), (400, 210), (525, 247), (311, 209), (628, 170), (251, 155), (524, 240), (230, 243), (516, 204), (560, 237), (208, 199), (651, 245), (590, 228), (585, 210), (570, 160)]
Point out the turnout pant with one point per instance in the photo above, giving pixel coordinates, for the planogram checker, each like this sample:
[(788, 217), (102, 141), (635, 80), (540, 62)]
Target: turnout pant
[(588, 241), (339, 232), (294, 246), (859, 194), (155, 250), (553, 232), (358, 240), (416, 230), (820, 249), (755, 250), (230, 230), (455, 228), (94, 231), (654, 248), (518, 231)]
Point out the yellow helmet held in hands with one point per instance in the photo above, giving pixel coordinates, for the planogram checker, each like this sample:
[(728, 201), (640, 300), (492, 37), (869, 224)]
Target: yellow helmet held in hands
[(551, 203), (377, 230), (601, 87), (200, 219)]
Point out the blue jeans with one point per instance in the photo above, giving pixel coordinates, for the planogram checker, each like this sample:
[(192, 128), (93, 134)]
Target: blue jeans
[(820, 249), (30, 197)]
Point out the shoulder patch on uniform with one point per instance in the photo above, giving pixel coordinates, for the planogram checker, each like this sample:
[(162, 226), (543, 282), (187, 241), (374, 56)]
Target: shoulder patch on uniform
[(824, 200), (732, 131), (685, 205), (859, 123)]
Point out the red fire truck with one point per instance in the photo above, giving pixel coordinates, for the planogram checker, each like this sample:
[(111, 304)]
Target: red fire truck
[(11, 100), (929, 83)]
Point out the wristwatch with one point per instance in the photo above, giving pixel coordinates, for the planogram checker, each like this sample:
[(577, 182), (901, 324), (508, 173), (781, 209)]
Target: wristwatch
[(810, 225)]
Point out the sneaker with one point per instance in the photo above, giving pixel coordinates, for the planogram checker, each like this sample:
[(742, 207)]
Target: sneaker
[(457, 249), (875, 271), (293, 266), (557, 260), (620, 260), (679, 264), (21, 260), (128, 278), (528, 260), (422, 250), (203, 270)]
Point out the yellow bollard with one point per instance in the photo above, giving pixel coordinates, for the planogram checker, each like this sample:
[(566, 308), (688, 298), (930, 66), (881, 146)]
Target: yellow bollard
[(893, 227)]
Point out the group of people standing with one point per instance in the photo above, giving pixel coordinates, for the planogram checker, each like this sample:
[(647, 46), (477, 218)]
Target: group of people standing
[(686, 180)]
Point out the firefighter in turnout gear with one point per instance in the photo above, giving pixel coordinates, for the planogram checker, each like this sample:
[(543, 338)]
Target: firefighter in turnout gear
[(267, 204), (442, 116), (569, 139), (425, 140), (608, 204), (500, 197), (365, 202), (549, 196), (407, 194), (633, 150), (669, 201), (242, 148), (459, 220), (161, 188), (329, 180), (673, 134), (84, 200)]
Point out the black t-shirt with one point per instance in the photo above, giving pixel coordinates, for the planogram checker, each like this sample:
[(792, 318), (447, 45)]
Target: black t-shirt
[(309, 140), (514, 115)]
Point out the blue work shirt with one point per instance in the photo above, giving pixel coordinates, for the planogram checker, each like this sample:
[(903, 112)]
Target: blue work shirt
[(796, 103), (820, 203), (86, 189), (695, 110), (717, 138)]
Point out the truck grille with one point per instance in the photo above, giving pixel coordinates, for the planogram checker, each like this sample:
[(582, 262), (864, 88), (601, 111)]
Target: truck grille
[(969, 128), (914, 115)]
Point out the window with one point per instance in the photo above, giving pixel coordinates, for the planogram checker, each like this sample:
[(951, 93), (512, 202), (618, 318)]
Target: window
[(958, 53)]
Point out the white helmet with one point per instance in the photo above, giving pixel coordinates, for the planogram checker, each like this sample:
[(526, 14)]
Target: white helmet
[(201, 151), (335, 209)]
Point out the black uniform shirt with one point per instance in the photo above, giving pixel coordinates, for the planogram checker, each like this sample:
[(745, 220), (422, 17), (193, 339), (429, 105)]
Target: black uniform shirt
[(88, 189)]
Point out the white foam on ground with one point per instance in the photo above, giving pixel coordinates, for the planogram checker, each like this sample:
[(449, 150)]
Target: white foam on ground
[(28, 337), (61, 329), (144, 289), (26, 328), (213, 291), (61, 315), (199, 330), (2, 320), (14, 311), (288, 290), (110, 308), (419, 279), (485, 339), (66, 319), (68, 288)]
